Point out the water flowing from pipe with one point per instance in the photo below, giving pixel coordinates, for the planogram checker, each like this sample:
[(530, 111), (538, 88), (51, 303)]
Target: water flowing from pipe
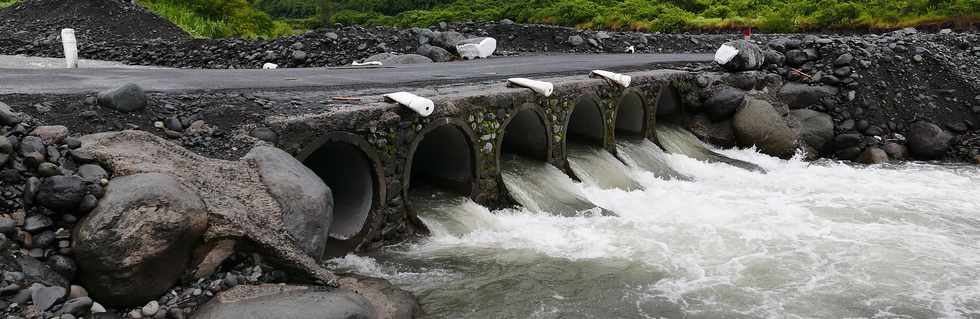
[(642, 154), (542, 187), (598, 168), (677, 140)]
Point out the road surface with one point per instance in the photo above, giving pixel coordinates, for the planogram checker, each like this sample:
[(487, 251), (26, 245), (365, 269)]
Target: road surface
[(68, 81)]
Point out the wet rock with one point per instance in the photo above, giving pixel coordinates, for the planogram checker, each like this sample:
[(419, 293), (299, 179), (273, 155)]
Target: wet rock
[(773, 57), (79, 306), (265, 134), (800, 96), (576, 40), (286, 302), (61, 192), (844, 59), (37, 223), (874, 155), (138, 240), (406, 59), (758, 123), (64, 266), (816, 129), (928, 141), (127, 98), (749, 56), (849, 153), (796, 57), (306, 201), (92, 172), (447, 39), (895, 151), (847, 140), (45, 297), (388, 300), (723, 103)]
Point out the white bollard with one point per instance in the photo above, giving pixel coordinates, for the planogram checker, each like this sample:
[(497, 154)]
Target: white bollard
[(725, 53), (476, 48), (621, 79), (71, 47), (270, 66), (420, 105), (541, 87)]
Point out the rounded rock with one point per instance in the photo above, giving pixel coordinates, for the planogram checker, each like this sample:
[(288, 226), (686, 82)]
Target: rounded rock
[(928, 141)]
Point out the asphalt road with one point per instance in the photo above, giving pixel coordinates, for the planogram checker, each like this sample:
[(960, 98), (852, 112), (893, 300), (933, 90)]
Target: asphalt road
[(65, 81)]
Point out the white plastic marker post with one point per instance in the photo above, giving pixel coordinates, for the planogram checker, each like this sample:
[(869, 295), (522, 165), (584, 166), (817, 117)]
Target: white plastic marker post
[(270, 66), (355, 63), (71, 47), (725, 54), (476, 48), (541, 87), (621, 79), (420, 105)]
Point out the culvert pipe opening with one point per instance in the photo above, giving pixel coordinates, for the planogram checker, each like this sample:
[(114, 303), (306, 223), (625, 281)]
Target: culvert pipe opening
[(349, 174), (631, 116), (526, 135), (670, 109), (586, 124), (442, 161)]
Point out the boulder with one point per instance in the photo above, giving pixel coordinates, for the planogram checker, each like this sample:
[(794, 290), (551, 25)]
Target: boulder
[(718, 133), (747, 56), (389, 301), (928, 141), (406, 59), (435, 53), (7, 115), (306, 201), (800, 96), (446, 39), (380, 57), (773, 57), (816, 128), (286, 302), (723, 102), (576, 40), (137, 242), (796, 57), (874, 155), (896, 151), (127, 98), (758, 123), (51, 134)]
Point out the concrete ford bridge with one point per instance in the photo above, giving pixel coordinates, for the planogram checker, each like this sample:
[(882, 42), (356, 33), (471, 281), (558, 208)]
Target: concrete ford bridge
[(373, 153)]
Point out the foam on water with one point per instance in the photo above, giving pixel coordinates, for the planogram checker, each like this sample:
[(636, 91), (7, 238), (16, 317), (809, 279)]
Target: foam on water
[(806, 240)]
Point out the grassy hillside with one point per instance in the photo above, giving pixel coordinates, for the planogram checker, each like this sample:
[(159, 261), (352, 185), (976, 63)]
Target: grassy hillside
[(218, 18), (7, 3), (669, 15)]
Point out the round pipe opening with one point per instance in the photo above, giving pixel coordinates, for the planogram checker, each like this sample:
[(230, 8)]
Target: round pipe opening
[(631, 116), (349, 174), (586, 124), (443, 160), (669, 106), (526, 135)]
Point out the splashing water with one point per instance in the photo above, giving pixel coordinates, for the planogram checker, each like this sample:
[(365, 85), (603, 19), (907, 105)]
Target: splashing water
[(598, 168), (676, 140), (806, 240), (542, 187), (642, 154)]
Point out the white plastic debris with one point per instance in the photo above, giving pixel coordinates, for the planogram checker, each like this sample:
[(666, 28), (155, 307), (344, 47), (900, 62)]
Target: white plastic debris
[(420, 105), (270, 66), (621, 79), (541, 87), (71, 47), (476, 48), (355, 63), (631, 49), (725, 53)]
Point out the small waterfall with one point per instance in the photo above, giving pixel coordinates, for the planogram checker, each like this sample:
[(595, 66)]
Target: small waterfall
[(645, 155), (680, 141), (542, 187), (599, 168), (449, 215)]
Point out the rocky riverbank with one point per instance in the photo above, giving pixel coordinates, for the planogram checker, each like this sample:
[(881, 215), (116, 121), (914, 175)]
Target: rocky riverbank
[(869, 98)]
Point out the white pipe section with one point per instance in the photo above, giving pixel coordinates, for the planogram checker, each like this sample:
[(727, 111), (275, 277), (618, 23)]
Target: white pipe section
[(621, 79), (725, 54), (420, 105), (71, 47), (476, 48), (541, 87), (270, 66), (355, 63)]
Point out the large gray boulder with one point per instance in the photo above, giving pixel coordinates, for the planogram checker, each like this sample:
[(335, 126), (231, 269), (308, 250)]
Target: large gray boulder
[(126, 98), (758, 123), (799, 95), (749, 57), (435, 53), (395, 59), (816, 129), (723, 102), (927, 141), (446, 40), (137, 242), (7, 115), (306, 201), (286, 302)]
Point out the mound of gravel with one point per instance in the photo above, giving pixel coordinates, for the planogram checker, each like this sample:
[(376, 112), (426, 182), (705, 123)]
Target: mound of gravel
[(93, 20)]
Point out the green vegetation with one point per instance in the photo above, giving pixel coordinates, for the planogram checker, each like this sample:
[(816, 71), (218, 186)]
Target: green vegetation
[(219, 18), (7, 3), (652, 15)]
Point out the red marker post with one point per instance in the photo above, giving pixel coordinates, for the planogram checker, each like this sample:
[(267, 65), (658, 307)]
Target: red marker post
[(747, 33)]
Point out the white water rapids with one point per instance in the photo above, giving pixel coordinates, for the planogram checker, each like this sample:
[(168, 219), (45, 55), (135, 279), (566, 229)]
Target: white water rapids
[(804, 240)]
